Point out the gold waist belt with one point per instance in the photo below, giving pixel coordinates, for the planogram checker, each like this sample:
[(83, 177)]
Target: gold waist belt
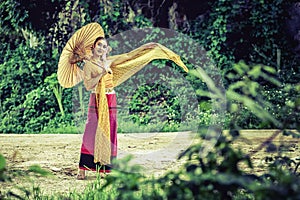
[(109, 90)]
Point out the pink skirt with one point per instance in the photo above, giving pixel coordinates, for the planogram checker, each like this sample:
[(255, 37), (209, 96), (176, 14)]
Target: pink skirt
[(87, 148)]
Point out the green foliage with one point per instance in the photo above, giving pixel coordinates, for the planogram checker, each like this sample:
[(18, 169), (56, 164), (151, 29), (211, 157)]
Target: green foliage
[(11, 16), (19, 86), (62, 124), (247, 84), (71, 17), (210, 175), (284, 103), (270, 101), (27, 99), (251, 31), (278, 183), (166, 76), (21, 192), (273, 97), (126, 125), (231, 31), (128, 183), (10, 20), (116, 16), (213, 34), (2, 168), (52, 82), (21, 73), (36, 113), (159, 101), (38, 170), (36, 116)]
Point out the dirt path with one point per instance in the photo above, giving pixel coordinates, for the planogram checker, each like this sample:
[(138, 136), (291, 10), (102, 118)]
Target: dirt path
[(59, 153), (155, 152)]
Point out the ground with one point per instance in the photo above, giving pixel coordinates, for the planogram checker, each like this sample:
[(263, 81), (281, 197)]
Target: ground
[(155, 152)]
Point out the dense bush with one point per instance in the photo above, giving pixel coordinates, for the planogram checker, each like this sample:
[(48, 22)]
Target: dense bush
[(23, 80), (28, 103), (162, 105)]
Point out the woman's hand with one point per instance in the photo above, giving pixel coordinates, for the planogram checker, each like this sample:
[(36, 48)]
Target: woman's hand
[(150, 45), (86, 57), (104, 57), (108, 70), (106, 64)]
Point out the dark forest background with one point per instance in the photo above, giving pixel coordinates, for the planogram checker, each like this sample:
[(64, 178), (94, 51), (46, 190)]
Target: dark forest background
[(262, 36)]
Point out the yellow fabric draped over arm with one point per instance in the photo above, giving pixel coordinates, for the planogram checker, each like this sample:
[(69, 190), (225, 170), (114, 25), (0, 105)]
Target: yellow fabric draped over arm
[(126, 65)]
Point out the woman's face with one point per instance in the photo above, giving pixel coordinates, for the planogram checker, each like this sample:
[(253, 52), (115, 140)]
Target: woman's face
[(100, 47)]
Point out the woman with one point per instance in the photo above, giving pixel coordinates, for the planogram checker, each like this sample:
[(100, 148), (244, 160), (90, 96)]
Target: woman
[(97, 72), (95, 67), (100, 75)]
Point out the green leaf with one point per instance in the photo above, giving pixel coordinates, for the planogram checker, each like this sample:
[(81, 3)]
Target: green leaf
[(253, 88), (203, 93), (297, 87), (270, 69), (240, 68), (38, 170), (271, 79), (117, 13), (237, 85), (2, 162), (255, 71), (234, 107)]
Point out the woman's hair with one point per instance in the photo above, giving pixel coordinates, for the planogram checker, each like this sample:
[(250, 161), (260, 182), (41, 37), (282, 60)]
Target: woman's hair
[(97, 39), (101, 38)]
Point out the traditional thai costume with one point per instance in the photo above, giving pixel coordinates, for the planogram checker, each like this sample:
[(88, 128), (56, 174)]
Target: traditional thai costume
[(92, 76), (99, 144)]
